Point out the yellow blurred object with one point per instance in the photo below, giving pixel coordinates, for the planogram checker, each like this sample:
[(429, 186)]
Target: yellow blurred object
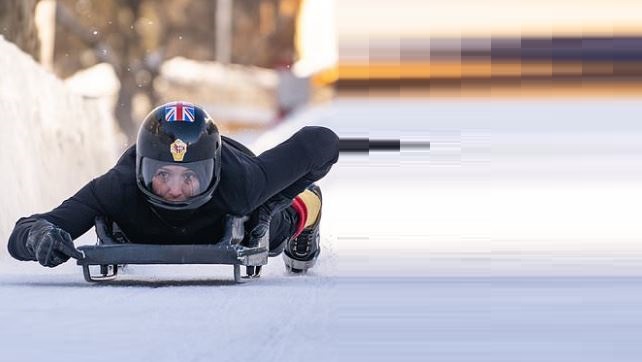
[(325, 77), (455, 69)]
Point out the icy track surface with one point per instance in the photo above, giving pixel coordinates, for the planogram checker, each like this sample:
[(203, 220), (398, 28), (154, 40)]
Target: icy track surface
[(516, 238)]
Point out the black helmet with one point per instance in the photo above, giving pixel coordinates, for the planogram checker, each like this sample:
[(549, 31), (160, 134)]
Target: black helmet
[(178, 144)]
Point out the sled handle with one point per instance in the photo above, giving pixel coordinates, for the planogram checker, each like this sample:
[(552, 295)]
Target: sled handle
[(366, 145)]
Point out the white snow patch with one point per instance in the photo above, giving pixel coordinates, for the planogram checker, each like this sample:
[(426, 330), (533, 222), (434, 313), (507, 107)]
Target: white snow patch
[(53, 141)]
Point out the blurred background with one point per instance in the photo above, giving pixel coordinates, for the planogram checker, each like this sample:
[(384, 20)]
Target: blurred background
[(252, 62)]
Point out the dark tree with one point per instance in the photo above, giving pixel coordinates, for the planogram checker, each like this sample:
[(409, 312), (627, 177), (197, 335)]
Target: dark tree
[(17, 25)]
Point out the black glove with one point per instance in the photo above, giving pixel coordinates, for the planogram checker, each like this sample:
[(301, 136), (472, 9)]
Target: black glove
[(50, 245), (260, 220)]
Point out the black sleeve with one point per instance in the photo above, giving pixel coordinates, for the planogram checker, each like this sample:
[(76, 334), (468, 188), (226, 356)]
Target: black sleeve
[(288, 168), (75, 215), (18, 239)]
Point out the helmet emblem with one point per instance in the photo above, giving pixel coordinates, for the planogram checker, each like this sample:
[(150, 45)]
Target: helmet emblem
[(178, 149)]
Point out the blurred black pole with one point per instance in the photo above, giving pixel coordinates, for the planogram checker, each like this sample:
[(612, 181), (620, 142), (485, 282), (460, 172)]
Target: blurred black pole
[(364, 145)]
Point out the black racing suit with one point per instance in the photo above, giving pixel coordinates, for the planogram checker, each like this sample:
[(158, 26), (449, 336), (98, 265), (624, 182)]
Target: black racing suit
[(246, 182)]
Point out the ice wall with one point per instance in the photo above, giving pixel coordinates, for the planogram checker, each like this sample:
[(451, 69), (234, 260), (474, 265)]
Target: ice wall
[(52, 140)]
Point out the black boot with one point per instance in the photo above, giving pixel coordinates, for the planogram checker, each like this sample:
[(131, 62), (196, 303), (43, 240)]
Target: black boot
[(301, 253)]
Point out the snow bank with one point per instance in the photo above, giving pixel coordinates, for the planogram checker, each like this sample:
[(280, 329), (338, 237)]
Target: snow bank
[(53, 141)]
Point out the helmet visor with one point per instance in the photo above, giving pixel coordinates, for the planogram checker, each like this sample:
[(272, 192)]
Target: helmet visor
[(177, 182)]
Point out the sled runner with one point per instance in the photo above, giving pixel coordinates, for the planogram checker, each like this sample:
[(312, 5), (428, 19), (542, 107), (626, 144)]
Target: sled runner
[(112, 251)]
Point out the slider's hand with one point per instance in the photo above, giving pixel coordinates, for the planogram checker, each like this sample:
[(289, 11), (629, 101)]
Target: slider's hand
[(50, 245)]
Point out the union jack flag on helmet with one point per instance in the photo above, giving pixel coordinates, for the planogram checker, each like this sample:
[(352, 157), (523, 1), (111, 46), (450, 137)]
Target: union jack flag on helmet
[(179, 112)]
